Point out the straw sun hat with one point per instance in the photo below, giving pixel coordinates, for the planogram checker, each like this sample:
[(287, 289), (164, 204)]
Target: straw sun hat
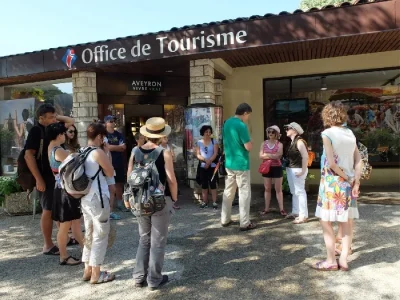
[(155, 128)]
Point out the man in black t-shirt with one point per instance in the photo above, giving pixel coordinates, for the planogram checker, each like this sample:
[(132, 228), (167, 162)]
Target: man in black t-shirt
[(40, 168), (117, 147)]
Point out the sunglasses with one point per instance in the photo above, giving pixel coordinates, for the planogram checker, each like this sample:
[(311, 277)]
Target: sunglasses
[(71, 131), (271, 131), (288, 128), (206, 149)]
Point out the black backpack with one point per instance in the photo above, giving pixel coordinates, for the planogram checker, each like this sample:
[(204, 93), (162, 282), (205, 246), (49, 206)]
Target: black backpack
[(24, 176), (73, 175), (144, 190)]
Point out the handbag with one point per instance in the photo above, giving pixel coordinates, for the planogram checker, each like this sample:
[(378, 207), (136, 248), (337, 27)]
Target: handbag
[(221, 168), (265, 166)]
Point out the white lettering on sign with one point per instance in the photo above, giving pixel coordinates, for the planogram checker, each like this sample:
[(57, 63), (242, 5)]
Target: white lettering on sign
[(102, 53), (146, 85)]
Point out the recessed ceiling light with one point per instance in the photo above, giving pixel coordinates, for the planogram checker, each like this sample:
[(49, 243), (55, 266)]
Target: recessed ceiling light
[(169, 71)]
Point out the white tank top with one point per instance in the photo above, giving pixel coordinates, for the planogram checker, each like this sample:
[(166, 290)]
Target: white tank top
[(344, 145), (91, 167)]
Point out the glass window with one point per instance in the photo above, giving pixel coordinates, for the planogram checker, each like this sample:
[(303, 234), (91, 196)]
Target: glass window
[(373, 106)]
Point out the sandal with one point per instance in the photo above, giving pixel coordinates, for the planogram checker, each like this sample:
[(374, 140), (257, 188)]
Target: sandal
[(66, 262), (324, 266), (104, 277), (338, 250), (283, 213), (264, 212), (248, 227), (299, 221), (53, 251), (291, 216), (176, 206), (341, 268)]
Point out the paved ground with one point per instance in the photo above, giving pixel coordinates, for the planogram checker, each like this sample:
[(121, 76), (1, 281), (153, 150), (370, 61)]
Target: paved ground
[(205, 261)]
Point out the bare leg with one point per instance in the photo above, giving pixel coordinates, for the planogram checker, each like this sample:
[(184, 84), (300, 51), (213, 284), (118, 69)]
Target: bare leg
[(112, 190), (351, 231), (267, 193), (204, 194), (77, 232), (329, 238), (339, 234), (279, 193), (62, 239), (119, 190), (345, 245), (46, 224), (214, 195)]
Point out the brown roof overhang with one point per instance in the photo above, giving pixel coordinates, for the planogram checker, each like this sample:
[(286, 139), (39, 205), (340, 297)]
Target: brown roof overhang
[(270, 36)]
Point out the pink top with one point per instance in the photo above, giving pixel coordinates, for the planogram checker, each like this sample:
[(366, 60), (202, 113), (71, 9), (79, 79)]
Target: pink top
[(274, 150)]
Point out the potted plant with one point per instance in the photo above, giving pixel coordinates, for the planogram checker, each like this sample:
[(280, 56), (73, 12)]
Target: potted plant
[(15, 201)]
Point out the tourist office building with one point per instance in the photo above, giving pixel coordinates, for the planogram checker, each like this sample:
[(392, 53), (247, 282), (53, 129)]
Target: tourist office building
[(286, 66)]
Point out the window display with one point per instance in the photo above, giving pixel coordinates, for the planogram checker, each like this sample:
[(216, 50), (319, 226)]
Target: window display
[(373, 108)]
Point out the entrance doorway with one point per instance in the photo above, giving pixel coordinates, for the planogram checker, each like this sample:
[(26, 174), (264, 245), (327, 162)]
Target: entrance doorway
[(136, 116)]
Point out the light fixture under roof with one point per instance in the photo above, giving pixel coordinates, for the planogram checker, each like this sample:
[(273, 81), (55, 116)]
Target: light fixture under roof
[(169, 71), (324, 87)]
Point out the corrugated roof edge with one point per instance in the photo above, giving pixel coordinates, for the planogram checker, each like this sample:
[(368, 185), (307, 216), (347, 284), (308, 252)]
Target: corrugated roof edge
[(213, 23)]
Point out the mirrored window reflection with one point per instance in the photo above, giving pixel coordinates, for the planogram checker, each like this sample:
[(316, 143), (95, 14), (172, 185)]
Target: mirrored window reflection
[(373, 107)]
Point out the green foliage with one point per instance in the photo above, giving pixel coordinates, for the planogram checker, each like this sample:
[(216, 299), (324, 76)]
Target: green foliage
[(6, 138), (42, 92), (307, 4), (285, 183), (378, 138), (8, 186)]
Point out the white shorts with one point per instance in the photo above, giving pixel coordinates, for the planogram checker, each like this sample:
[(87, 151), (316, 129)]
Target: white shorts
[(110, 180)]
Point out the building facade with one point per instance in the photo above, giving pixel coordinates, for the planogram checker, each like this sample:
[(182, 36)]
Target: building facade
[(285, 66)]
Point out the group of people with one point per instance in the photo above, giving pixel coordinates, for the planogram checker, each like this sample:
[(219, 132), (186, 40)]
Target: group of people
[(56, 137), (341, 167), (49, 144)]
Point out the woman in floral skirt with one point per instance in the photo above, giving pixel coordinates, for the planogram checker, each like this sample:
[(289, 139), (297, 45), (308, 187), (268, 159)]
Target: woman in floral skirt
[(339, 186)]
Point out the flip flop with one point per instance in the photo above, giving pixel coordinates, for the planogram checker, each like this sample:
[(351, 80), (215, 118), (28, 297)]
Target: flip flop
[(323, 266), (53, 251), (66, 263), (104, 277)]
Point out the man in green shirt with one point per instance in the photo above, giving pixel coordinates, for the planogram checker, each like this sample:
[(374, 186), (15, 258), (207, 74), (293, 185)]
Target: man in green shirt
[(237, 145)]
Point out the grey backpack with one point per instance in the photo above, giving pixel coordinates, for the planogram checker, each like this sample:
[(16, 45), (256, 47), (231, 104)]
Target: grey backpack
[(73, 174), (144, 190)]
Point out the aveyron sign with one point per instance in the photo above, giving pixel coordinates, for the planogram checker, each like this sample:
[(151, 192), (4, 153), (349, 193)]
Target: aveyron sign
[(145, 85)]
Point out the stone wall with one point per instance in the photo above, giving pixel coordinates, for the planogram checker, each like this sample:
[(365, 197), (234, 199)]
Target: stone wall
[(84, 102), (202, 82)]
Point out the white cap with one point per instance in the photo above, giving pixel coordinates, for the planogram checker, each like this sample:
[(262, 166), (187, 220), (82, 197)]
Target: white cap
[(296, 127)]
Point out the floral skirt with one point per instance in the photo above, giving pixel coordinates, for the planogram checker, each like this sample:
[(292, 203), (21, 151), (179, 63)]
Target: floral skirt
[(335, 202)]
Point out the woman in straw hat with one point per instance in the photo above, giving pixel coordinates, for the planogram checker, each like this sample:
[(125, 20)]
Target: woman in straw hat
[(153, 229), (271, 149)]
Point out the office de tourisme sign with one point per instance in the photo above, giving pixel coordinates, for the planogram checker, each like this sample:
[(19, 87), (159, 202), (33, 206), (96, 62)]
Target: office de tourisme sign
[(161, 46)]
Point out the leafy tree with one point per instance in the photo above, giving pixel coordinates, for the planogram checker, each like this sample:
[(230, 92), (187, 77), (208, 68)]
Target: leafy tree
[(307, 4)]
